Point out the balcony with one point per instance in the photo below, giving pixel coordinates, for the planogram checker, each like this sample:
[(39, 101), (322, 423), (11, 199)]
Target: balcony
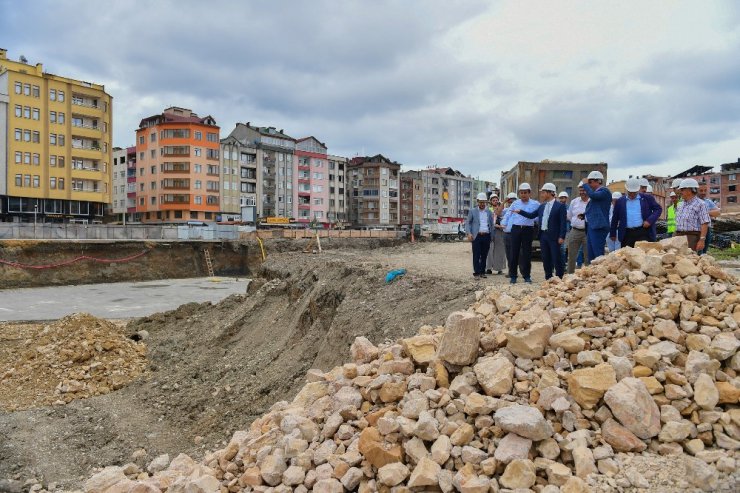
[(85, 145), (174, 168), (170, 184), (302, 193), (304, 206), (176, 199)]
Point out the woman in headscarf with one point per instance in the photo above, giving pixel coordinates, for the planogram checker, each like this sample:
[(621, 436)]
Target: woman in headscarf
[(496, 261)]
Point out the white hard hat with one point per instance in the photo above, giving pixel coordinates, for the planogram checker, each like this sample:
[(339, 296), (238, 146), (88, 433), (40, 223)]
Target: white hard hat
[(616, 195), (644, 182), (689, 183), (595, 175), (549, 187), (563, 194), (494, 194), (580, 185), (676, 183), (649, 189), (525, 186), (672, 194), (482, 196), (632, 185), (511, 195)]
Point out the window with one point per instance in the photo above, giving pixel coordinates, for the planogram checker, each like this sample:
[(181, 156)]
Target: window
[(196, 151), (53, 116), (732, 177), (732, 188), (36, 159), (61, 117), (18, 157), (198, 184), (26, 89), (26, 112), (211, 137), (18, 88), (141, 201), (174, 133), (27, 135), (198, 135), (153, 137), (36, 92), (154, 200), (53, 161), (141, 156), (61, 139), (60, 183), (141, 139), (198, 168), (18, 134), (26, 180), (18, 180), (36, 181), (731, 199), (141, 187), (18, 111), (199, 199), (60, 161), (26, 158), (36, 114), (153, 185), (212, 153), (53, 139), (52, 182), (153, 153), (141, 171), (60, 95), (52, 94)]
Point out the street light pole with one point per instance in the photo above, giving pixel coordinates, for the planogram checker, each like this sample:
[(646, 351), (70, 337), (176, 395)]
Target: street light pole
[(35, 211)]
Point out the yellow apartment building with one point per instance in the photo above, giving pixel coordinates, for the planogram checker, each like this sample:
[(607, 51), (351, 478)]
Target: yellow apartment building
[(55, 145)]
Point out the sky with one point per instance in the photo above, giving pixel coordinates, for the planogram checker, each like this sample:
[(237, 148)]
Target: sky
[(646, 86)]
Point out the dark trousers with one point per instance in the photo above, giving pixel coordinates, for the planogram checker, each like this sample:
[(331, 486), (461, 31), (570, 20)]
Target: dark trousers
[(481, 244), (521, 251), (706, 243), (632, 236), (507, 247), (551, 256), (596, 241)]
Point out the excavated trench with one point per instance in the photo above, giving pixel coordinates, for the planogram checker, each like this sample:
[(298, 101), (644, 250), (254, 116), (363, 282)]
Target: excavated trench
[(214, 368)]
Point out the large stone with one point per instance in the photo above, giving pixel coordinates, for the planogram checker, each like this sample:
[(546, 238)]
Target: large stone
[(558, 474), (699, 363), (272, 469), (504, 302), (666, 329), (512, 447), (529, 343), (519, 473), (525, 421), (587, 385), (159, 463), (495, 375), (375, 451), (620, 438), (363, 351), (675, 431), (425, 473), (728, 393), (103, 480), (723, 346), (293, 476), (569, 340), (700, 474), (422, 349), (459, 344), (583, 458), (652, 265), (441, 449), (706, 394), (685, 268), (330, 485), (633, 406), (392, 474)]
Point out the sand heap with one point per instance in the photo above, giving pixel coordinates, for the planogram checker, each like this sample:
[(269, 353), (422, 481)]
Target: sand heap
[(76, 357), (560, 390)]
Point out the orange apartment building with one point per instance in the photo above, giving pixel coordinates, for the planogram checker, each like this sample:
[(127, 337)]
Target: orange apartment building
[(178, 175)]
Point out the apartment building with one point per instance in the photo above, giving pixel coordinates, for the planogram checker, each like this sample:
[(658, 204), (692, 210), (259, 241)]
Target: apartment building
[(124, 184), (566, 175), (178, 160), (311, 190), (485, 186), (55, 145), (231, 169), (412, 202), (338, 214), (240, 154), (447, 193), (373, 198), (730, 186)]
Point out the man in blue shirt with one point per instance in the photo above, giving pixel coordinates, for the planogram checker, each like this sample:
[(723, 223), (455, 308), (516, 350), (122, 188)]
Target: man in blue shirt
[(597, 214), (551, 217), (479, 226), (714, 212), (522, 234), (634, 215), (506, 224)]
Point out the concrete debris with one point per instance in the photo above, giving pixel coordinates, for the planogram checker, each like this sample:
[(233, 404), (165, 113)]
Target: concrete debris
[(590, 383)]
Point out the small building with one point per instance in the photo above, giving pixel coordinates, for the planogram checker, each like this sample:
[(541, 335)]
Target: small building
[(730, 187), (373, 197), (566, 175), (706, 176)]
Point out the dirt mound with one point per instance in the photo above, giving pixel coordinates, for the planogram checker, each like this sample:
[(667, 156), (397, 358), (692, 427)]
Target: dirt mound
[(558, 390), (76, 357), (214, 368)]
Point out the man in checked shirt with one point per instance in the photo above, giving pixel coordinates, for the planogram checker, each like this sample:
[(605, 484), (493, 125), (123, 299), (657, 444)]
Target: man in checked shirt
[(692, 216)]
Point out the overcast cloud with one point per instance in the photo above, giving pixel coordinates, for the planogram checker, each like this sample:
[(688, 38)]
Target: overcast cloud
[(647, 86)]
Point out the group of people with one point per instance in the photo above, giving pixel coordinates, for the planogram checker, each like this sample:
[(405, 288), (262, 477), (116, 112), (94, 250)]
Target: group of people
[(502, 233)]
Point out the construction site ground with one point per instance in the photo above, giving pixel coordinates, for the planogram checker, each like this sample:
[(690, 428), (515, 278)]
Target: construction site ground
[(213, 368)]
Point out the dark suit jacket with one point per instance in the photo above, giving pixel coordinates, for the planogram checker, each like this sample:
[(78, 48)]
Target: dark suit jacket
[(556, 223), (650, 209)]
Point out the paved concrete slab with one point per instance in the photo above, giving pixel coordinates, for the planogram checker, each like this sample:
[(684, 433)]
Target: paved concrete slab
[(114, 300)]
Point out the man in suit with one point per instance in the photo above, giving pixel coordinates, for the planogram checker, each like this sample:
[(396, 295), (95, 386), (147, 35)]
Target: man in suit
[(634, 215), (479, 226), (597, 214), (550, 216)]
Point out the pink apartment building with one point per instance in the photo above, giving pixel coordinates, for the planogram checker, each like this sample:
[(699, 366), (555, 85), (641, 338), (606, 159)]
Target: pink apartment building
[(311, 182)]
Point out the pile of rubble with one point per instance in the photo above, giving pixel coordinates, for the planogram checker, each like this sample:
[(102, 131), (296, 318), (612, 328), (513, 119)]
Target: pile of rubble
[(569, 388), (76, 357)]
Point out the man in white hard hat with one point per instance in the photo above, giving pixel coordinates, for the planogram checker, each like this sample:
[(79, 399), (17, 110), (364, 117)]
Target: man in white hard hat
[(506, 224), (613, 244), (634, 215), (550, 216), (597, 213), (576, 239), (522, 235), (563, 198), (644, 184), (676, 186), (692, 216), (479, 227)]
